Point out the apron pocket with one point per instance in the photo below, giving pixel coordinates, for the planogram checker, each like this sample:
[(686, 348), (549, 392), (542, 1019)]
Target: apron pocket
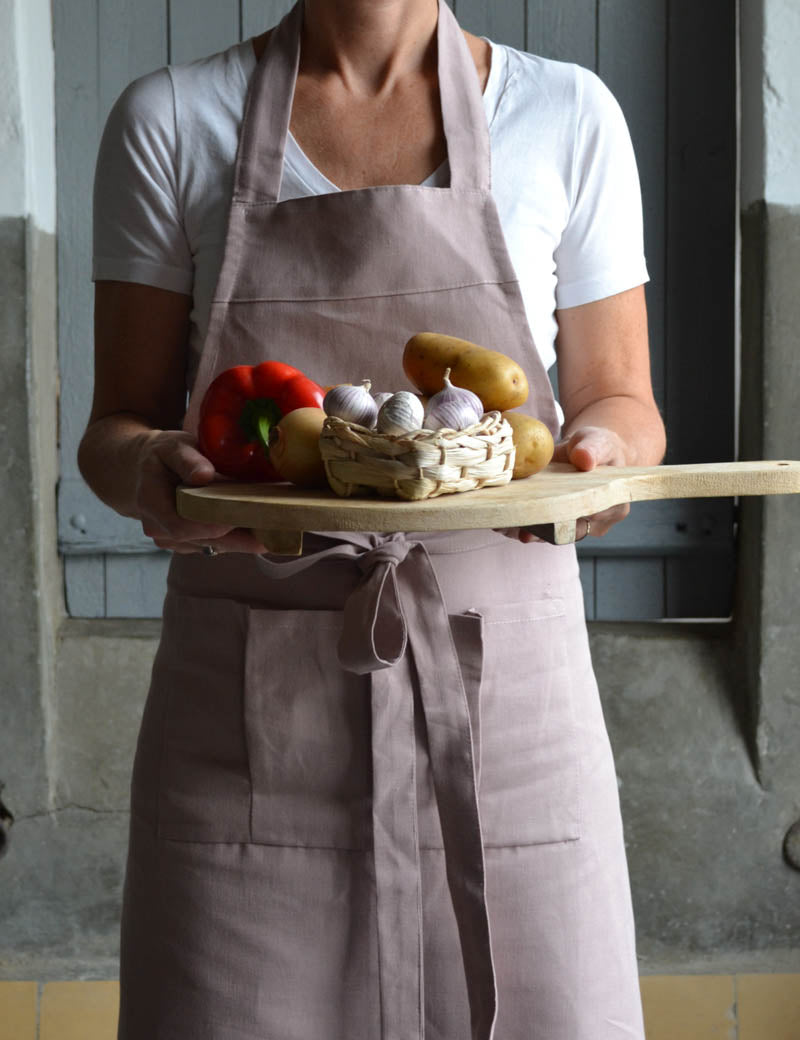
[(308, 732), (197, 734), (529, 756)]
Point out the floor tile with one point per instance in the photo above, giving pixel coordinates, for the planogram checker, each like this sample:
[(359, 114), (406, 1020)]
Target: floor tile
[(18, 1010), (689, 1007), (79, 1011), (768, 1007)]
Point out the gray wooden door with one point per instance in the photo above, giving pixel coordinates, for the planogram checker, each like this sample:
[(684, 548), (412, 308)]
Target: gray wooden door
[(671, 65)]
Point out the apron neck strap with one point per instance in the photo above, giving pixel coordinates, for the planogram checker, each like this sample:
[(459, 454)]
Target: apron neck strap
[(466, 129), (268, 109)]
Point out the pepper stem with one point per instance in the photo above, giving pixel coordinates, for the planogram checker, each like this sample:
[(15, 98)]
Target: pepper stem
[(259, 416), (264, 428)]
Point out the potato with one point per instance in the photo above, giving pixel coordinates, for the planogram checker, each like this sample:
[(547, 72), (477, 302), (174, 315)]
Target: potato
[(496, 379), (533, 444)]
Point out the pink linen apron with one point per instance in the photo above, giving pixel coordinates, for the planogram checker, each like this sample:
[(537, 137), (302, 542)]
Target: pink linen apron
[(359, 796)]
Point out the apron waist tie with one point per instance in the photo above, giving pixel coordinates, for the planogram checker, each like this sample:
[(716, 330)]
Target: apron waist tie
[(400, 594)]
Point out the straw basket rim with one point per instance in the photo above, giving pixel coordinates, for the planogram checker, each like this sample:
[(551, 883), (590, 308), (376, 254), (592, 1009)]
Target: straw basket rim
[(418, 463)]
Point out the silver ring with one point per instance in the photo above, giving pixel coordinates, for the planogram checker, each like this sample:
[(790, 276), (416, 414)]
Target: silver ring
[(209, 550), (588, 527)]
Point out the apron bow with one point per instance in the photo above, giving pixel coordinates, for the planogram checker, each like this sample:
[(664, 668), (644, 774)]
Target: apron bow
[(375, 634)]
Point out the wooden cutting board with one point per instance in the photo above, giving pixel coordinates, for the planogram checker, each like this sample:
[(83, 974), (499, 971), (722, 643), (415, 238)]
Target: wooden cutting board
[(558, 496)]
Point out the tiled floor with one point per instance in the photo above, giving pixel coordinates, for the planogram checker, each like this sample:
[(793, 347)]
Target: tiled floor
[(677, 1007), (18, 1010), (78, 1011), (690, 1007), (768, 1007)]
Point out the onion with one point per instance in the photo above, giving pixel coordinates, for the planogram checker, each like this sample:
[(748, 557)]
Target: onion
[(294, 447)]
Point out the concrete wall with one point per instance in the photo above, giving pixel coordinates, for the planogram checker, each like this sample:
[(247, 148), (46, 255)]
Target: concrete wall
[(703, 718)]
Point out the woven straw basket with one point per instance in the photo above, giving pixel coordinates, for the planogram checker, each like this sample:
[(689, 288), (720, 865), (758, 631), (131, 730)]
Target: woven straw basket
[(419, 464)]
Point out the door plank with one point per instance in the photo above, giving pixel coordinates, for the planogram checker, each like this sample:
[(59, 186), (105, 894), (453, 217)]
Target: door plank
[(700, 586), (632, 62), (78, 122), (85, 586), (702, 218), (258, 15), (198, 29), (503, 22), (135, 585), (627, 590), (566, 31), (131, 41)]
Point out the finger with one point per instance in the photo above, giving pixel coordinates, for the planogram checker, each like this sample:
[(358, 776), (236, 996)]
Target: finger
[(182, 548), (176, 529), (591, 446), (517, 534), (240, 540), (584, 455), (158, 507), (580, 449), (601, 523), (179, 454), (507, 532)]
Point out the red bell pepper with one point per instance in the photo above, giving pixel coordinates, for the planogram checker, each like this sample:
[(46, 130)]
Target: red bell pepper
[(239, 410)]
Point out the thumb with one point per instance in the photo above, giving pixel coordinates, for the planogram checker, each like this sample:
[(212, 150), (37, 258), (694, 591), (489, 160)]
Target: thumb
[(187, 463), (581, 449)]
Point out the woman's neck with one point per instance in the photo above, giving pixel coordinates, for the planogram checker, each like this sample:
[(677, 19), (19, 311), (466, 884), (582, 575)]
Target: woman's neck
[(368, 44)]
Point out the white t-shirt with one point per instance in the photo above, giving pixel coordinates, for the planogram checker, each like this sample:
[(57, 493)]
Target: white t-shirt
[(564, 180)]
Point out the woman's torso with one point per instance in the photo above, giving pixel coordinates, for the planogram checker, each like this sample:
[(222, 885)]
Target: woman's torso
[(188, 119)]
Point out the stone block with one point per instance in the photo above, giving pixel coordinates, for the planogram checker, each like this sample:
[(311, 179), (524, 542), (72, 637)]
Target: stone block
[(103, 674), (704, 839), (62, 892)]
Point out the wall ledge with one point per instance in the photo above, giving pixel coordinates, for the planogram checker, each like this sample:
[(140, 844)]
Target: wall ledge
[(109, 628)]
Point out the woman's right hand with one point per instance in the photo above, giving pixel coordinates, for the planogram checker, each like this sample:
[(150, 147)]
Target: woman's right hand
[(133, 455), (165, 459)]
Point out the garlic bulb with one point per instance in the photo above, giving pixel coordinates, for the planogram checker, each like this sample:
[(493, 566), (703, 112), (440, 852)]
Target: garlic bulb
[(354, 404), (402, 413), (380, 398), (452, 408)]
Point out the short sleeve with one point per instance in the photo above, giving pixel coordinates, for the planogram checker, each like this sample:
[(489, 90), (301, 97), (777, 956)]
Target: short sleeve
[(138, 228), (601, 251)]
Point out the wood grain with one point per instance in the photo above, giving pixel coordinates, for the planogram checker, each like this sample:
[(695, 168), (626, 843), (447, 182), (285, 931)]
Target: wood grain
[(559, 493)]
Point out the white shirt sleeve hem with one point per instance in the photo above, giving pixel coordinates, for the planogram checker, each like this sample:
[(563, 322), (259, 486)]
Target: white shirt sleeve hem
[(590, 290), (142, 271)]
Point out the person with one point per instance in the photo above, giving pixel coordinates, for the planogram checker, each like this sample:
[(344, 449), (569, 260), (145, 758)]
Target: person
[(373, 793)]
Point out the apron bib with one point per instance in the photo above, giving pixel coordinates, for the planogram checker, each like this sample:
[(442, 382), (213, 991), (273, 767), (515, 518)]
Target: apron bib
[(371, 700)]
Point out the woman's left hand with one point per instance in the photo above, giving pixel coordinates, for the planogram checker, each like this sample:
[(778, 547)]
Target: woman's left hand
[(585, 448), (591, 446), (606, 394)]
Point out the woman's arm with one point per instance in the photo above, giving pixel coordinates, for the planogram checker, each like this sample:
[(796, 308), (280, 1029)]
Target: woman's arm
[(604, 381), (611, 417), (133, 453)]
